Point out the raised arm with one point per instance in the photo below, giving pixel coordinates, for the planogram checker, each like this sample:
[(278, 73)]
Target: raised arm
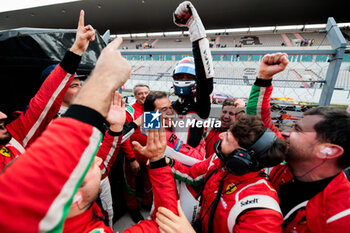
[(186, 15), (163, 183), (182, 152), (44, 106), (45, 178), (259, 99), (108, 151)]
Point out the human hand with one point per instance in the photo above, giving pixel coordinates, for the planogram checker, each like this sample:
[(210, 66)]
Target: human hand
[(112, 64), (169, 222), (110, 73), (272, 64), (84, 35), (116, 114), (186, 15), (155, 147), (135, 166), (183, 13)]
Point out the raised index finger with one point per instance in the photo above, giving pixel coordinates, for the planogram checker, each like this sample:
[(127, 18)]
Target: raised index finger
[(81, 19)]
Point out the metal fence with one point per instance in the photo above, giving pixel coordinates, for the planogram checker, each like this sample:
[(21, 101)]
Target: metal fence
[(313, 76), (235, 72)]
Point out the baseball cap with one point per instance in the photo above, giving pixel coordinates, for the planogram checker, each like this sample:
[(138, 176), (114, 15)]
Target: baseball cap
[(47, 71)]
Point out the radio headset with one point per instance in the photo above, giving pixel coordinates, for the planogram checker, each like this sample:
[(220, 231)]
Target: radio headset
[(241, 161)]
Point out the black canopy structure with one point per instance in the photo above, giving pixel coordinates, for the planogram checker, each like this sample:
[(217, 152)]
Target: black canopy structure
[(132, 16), (26, 52)]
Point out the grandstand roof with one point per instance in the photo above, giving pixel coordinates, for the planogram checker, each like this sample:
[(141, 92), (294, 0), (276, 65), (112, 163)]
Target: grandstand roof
[(130, 16)]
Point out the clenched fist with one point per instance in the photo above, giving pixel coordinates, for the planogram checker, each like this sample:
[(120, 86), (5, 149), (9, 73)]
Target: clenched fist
[(272, 64)]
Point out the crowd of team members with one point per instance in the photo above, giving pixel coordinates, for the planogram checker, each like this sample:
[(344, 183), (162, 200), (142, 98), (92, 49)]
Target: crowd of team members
[(244, 176)]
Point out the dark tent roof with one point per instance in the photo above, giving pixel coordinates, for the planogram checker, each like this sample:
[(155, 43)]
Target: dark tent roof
[(156, 15), (26, 52)]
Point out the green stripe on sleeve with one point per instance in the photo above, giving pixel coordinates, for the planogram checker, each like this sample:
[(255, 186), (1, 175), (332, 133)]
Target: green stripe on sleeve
[(191, 182), (130, 109), (67, 205), (253, 100)]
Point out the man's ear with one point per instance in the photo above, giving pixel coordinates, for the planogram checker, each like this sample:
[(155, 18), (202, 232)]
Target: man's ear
[(328, 150)]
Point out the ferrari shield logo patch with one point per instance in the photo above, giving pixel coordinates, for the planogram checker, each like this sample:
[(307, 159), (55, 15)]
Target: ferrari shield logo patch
[(5, 152), (230, 188)]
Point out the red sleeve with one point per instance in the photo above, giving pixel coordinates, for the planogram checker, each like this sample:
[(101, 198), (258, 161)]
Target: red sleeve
[(128, 117), (209, 141), (164, 189), (42, 108), (279, 175), (191, 175), (127, 149), (40, 184), (145, 226), (182, 152), (165, 195), (266, 112), (259, 220), (259, 104), (108, 151)]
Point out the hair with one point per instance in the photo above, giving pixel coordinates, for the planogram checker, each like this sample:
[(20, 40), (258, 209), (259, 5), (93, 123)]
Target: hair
[(275, 155), (229, 102), (139, 85), (333, 128), (247, 130), (151, 98)]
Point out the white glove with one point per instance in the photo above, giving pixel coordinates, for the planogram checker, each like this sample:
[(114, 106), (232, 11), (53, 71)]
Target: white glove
[(186, 15)]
